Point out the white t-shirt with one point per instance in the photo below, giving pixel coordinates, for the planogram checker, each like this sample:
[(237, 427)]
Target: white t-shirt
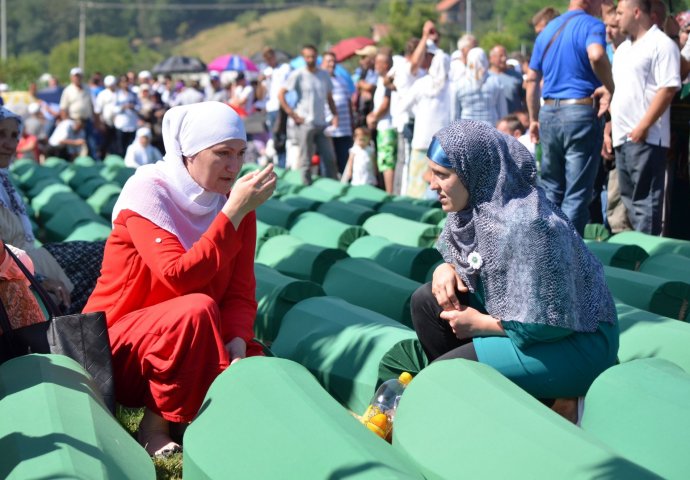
[(381, 92), (431, 112), (362, 167), (639, 71), (403, 80), (275, 80), (104, 106), (312, 94)]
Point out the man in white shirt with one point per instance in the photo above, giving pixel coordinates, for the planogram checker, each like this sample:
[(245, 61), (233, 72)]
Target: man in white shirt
[(75, 104), (104, 110), (313, 89), (646, 72)]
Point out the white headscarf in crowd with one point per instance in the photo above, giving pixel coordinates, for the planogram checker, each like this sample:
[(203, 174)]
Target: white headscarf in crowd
[(165, 192), (477, 67)]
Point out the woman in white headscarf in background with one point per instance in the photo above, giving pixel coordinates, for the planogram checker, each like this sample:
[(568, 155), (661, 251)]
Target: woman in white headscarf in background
[(479, 95), (140, 151), (177, 282)]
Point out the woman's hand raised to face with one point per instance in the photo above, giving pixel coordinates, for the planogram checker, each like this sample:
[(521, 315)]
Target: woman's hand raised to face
[(443, 285), (249, 192)]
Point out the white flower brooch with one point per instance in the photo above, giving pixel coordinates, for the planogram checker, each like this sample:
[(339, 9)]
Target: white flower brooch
[(475, 260)]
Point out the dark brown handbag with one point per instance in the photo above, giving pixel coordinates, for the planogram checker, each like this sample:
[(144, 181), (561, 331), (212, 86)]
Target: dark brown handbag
[(82, 337)]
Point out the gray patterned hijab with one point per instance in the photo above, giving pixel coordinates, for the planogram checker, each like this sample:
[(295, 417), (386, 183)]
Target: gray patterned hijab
[(533, 265)]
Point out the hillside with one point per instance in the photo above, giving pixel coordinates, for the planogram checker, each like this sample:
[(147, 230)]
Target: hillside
[(232, 38)]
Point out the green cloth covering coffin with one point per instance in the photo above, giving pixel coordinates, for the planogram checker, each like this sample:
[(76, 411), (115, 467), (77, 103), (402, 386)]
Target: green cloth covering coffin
[(84, 161), (653, 245), (292, 176), (330, 185), (101, 198), (41, 185), (90, 232), (640, 409), (648, 292), (89, 186), (349, 213), (596, 232), (75, 175), (54, 425), (34, 174), (646, 335), (56, 163), (425, 202), (278, 213), (349, 349), (316, 228), (668, 265), (418, 213), (265, 231), (112, 160), (367, 192), (402, 230), (304, 261), (462, 419), (276, 294), (299, 201), (70, 216), (267, 418), (410, 262), (365, 202), (365, 283), (629, 257), (51, 200)]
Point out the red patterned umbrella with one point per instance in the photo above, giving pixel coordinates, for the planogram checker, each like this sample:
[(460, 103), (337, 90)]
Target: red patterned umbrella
[(346, 48)]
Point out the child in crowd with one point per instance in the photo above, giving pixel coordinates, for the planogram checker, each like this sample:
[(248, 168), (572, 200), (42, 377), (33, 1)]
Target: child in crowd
[(360, 168)]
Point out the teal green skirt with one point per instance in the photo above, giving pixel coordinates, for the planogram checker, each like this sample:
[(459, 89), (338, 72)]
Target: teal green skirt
[(563, 368)]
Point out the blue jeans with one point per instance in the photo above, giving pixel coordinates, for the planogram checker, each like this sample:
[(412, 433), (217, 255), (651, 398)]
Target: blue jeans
[(571, 138), (641, 170)]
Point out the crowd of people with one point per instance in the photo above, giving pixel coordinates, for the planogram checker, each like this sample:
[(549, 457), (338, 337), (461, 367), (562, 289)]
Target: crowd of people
[(177, 280)]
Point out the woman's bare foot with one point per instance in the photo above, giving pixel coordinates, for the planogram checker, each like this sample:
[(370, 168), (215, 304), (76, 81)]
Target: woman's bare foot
[(154, 435), (566, 408)]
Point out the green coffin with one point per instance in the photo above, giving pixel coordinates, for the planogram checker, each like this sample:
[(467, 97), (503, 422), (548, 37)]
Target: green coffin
[(276, 294), (100, 198), (365, 283), (653, 245), (367, 192), (418, 213), (264, 231), (267, 418), (52, 199), (330, 185), (402, 230), (410, 262), (316, 228), (55, 426), (33, 174), (349, 349), (112, 160), (305, 203), (596, 232), (291, 256), (349, 213), (629, 257), (278, 213), (648, 292), (462, 419), (88, 187), (640, 409), (646, 335), (66, 220), (56, 163), (668, 265)]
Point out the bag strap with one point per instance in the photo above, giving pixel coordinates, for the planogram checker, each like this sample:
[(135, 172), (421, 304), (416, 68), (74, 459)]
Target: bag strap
[(43, 295), (555, 36)]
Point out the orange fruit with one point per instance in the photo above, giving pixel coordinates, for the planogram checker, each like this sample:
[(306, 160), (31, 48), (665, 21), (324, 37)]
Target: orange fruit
[(380, 420), (377, 430)]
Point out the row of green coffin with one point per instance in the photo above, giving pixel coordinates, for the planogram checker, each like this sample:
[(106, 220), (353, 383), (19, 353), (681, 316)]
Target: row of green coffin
[(269, 418), (52, 409)]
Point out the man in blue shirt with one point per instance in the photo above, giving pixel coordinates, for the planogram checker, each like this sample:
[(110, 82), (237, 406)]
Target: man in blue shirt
[(570, 56)]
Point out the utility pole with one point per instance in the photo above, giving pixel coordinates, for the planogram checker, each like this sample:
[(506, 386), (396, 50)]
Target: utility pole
[(3, 35), (468, 16), (82, 34)]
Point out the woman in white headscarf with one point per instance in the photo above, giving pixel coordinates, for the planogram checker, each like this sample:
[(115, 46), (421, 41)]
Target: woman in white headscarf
[(140, 151), (479, 95), (177, 282)]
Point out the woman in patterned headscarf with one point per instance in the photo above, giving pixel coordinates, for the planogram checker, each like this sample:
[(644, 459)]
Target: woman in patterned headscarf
[(519, 290)]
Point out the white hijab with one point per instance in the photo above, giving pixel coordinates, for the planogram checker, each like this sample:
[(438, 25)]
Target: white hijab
[(477, 67), (164, 192)]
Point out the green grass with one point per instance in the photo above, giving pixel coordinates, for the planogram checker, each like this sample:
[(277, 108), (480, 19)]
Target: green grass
[(166, 468), (231, 38)]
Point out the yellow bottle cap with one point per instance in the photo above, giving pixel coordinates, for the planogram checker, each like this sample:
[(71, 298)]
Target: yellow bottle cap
[(405, 378)]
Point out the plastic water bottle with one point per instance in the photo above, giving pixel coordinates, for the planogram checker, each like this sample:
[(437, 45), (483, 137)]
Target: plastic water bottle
[(380, 413)]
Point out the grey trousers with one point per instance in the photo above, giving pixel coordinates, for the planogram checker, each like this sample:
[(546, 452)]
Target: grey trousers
[(311, 139)]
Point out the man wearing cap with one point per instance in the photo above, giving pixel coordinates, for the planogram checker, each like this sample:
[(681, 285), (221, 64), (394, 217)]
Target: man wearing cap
[(214, 91), (570, 55), (363, 99), (313, 88), (75, 104), (104, 112)]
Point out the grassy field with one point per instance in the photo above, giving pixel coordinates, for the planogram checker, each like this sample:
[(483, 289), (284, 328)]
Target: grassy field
[(231, 38)]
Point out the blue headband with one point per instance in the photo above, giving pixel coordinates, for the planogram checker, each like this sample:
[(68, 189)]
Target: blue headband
[(437, 155)]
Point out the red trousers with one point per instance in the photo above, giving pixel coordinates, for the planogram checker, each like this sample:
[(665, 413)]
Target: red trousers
[(166, 356)]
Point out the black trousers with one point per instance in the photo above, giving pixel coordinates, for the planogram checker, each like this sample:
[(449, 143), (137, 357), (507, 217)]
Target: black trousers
[(437, 338)]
